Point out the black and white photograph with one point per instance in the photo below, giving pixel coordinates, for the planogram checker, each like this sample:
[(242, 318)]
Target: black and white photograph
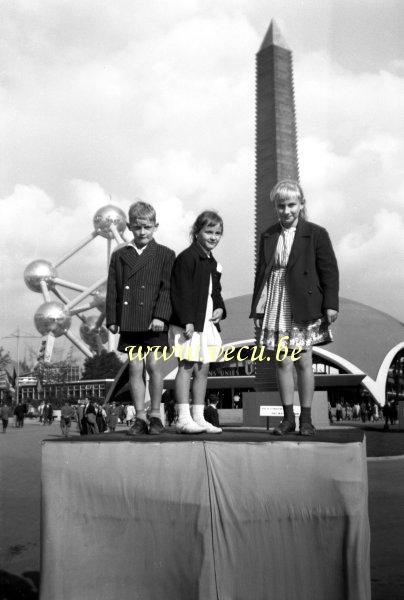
[(202, 283)]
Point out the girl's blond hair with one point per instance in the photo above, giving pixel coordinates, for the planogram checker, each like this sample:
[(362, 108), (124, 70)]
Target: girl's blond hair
[(287, 189)]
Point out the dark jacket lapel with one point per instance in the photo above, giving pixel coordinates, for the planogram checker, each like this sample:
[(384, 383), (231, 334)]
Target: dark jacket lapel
[(303, 233), (271, 240), (138, 261)]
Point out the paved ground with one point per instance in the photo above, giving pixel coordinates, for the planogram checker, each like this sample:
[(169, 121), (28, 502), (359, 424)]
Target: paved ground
[(20, 510)]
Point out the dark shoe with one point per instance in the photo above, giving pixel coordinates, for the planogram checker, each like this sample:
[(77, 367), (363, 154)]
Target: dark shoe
[(307, 429), (155, 426), (138, 428), (284, 427)]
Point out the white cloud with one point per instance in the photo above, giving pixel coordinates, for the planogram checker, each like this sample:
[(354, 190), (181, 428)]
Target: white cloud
[(158, 103)]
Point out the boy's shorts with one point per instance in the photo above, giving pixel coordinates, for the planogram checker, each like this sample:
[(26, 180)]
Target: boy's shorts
[(142, 338)]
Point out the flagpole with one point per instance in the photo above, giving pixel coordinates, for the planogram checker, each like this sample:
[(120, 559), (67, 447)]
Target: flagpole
[(17, 335)]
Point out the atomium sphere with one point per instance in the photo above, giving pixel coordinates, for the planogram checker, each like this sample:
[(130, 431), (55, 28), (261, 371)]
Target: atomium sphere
[(98, 297), (107, 216), (92, 335), (51, 317), (37, 271)]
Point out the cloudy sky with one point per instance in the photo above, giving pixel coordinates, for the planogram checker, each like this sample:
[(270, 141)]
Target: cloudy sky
[(155, 100)]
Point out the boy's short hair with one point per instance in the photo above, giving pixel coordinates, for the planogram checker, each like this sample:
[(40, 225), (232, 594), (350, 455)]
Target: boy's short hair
[(141, 210), (213, 399)]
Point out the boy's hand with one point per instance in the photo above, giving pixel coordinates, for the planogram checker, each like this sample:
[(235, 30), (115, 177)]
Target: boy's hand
[(114, 328), (217, 315), (156, 325), (331, 315), (189, 331), (258, 323)]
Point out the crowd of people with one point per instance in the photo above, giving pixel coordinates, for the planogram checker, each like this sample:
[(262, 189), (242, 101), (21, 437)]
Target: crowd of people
[(365, 411)]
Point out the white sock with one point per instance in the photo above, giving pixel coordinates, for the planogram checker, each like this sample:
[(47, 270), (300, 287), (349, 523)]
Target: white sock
[(184, 413), (197, 414)]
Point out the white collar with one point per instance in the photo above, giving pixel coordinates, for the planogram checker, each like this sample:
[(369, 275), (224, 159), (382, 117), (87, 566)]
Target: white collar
[(138, 250)]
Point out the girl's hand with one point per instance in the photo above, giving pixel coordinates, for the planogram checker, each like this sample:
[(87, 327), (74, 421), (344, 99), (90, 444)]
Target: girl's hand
[(113, 328), (189, 331), (217, 315), (258, 323), (331, 315), (156, 325)]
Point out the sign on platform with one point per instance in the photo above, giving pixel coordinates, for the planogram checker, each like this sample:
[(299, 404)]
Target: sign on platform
[(276, 411), (271, 411)]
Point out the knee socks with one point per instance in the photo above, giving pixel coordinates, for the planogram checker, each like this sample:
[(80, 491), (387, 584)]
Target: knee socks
[(288, 413), (305, 414)]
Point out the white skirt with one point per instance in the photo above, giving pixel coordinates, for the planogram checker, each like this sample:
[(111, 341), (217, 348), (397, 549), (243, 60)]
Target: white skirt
[(205, 346)]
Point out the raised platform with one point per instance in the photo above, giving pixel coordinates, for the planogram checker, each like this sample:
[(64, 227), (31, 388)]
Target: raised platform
[(238, 516)]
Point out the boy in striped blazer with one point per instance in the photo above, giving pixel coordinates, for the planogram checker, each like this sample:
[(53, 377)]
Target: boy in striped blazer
[(139, 307)]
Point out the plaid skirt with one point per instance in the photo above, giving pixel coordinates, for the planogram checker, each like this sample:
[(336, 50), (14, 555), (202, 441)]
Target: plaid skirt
[(278, 322)]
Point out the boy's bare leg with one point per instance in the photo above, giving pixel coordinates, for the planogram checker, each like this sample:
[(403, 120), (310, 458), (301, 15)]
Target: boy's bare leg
[(137, 386), (154, 368)]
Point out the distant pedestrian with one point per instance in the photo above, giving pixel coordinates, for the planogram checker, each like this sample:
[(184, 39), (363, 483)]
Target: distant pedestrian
[(236, 400), (40, 411), (4, 415), (101, 418), (210, 413), (19, 412), (47, 414), (363, 411), (91, 418), (130, 414), (112, 416), (169, 408), (387, 415), (330, 417), (66, 417)]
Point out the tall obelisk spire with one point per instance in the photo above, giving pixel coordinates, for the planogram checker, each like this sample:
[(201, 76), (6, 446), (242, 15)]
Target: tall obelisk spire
[(276, 144)]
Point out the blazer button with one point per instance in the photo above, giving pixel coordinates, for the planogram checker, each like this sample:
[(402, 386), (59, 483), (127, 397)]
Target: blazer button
[(125, 303), (126, 287), (309, 292), (142, 287), (141, 304)]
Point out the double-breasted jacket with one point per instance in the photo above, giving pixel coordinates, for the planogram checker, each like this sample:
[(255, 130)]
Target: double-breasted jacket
[(138, 287)]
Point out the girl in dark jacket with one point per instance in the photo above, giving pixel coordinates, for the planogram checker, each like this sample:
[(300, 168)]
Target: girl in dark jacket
[(295, 298), (194, 326)]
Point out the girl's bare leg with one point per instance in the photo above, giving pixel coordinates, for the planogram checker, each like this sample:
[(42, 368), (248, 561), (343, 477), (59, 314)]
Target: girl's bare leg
[(183, 381), (284, 377), (185, 422), (200, 382), (305, 378)]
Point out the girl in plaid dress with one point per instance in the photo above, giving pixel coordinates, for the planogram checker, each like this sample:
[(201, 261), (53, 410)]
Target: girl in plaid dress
[(295, 297)]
